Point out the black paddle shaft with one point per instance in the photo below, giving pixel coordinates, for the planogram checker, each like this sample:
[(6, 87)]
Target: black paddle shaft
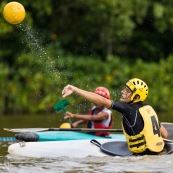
[(85, 130)]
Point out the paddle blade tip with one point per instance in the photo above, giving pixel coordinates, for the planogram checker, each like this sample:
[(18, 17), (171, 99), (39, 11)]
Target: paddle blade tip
[(60, 105)]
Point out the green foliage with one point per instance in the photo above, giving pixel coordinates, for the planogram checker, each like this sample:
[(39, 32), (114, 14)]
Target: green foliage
[(87, 44), (37, 90)]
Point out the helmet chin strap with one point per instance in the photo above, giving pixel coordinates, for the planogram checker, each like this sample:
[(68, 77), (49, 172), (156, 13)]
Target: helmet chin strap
[(131, 102), (135, 98)]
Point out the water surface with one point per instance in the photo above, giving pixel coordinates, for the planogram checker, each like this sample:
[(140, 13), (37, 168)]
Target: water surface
[(107, 164)]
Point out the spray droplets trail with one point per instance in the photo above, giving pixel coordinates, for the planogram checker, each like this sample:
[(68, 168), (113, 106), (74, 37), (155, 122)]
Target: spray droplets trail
[(46, 66), (33, 42)]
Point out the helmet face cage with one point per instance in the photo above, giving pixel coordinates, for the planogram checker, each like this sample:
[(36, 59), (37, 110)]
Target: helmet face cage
[(104, 92), (138, 87)]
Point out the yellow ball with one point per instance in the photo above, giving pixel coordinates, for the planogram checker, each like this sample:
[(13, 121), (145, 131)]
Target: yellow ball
[(14, 13), (65, 125)]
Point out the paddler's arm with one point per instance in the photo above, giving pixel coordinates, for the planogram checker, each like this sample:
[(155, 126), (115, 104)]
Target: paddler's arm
[(75, 124), (163, 131), (95, 98), (97, 117)]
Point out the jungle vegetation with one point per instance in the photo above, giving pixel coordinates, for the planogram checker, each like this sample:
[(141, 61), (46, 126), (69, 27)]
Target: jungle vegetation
[(86, 43)]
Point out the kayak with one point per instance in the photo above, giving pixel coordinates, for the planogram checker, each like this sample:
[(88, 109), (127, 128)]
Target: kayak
[(52, 149), (62, 135), (57, 136), (75, 148), (7, 139), (80, 145)]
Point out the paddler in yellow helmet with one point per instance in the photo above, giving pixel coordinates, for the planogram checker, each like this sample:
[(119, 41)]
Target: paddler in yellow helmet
[(140, 123)]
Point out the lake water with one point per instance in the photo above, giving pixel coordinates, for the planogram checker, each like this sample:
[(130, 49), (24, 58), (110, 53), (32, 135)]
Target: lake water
[(107, 164)]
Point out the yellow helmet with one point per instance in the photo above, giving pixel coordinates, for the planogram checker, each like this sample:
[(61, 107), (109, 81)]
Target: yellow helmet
[(138, 87)]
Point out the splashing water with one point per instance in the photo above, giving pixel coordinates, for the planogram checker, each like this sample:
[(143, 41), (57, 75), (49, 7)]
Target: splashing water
[(40, 60), (33, 41), (34, 45)]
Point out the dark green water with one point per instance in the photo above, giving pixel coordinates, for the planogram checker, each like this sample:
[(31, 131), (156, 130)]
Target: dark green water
[(26, 121)]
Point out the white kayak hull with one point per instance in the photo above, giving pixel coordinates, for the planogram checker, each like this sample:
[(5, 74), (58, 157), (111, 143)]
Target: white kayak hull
[(76, 148), (50, 149)]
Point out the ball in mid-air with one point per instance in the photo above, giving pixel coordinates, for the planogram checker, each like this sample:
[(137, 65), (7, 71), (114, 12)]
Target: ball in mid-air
[(14, 13)]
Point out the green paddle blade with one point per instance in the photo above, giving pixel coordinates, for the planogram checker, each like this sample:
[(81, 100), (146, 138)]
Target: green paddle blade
[(60, 106)]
